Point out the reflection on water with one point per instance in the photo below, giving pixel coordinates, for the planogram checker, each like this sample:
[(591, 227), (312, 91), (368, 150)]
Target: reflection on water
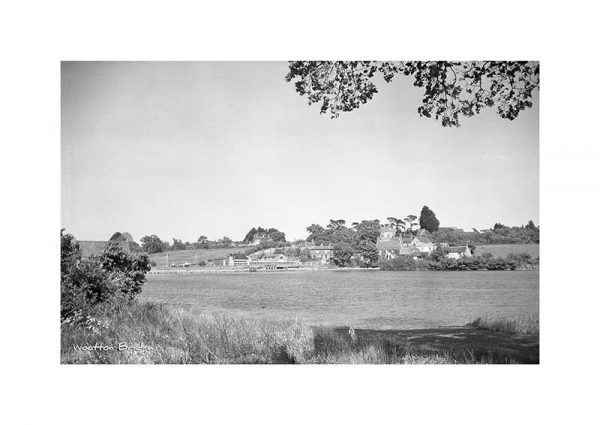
[(377, 300)]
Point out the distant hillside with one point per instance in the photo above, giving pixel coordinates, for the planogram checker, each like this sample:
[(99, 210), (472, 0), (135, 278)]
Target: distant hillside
[(504, 250), (193, 255)]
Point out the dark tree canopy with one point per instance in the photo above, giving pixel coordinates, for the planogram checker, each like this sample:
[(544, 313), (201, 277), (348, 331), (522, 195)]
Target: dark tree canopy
[(368, 230), (452, 89), (314, 231), (428, 220), (531, 225), (126, 237), (117, 236), (152, 244), (258, 232), (177, 245), (342, 254)]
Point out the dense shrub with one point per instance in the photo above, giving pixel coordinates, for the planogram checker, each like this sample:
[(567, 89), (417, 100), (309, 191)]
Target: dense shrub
[(129, 269), (529, 234), (405, 263), (484, 262), (113, 278)]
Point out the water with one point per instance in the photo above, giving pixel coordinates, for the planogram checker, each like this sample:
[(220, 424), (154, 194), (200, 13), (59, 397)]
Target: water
[(363, 299)]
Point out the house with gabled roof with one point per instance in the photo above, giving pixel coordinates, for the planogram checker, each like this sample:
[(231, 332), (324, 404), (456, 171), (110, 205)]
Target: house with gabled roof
[(218, 262), (422, 242), (238, 259), (323, 253), (388, 248), (387, 232), (411, 251), (456, 252)]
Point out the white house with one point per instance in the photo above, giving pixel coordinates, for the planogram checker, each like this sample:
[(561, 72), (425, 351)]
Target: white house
[(388, 245), (388, 248), (456, 252), (271, 258), (423, 243)]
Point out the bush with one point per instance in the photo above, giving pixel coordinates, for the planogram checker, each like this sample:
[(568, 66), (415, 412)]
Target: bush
[(130, 269), (484, 262), (84, 286), (109, 280), (401, 263), (500, 234)]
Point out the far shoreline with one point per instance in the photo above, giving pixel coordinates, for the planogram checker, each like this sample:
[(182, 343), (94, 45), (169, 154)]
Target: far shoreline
[(357, 269)]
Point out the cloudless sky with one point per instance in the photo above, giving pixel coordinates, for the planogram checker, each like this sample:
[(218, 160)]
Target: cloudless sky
[(183, 149)]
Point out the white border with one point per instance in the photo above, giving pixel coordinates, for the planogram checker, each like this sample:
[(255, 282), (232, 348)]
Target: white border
[(37, 35)]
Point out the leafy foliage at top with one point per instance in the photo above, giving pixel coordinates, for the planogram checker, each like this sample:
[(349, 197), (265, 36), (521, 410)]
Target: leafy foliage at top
[(452, 89), (152, 244)]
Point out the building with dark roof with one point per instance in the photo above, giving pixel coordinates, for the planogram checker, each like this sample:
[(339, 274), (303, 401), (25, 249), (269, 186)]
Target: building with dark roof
[(388, 248), (323, 253), (238, 260)]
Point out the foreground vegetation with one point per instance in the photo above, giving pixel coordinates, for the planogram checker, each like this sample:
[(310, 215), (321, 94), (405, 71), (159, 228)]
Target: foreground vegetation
[(157, 333), (513, 326)]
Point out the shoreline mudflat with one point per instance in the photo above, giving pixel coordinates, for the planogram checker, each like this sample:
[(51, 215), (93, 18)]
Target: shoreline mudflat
[(450, 340)]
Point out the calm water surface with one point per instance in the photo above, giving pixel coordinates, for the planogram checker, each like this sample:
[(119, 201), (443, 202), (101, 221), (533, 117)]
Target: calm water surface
[(363, 299)]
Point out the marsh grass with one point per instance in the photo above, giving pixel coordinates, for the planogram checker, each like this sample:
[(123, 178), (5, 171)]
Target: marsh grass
[(162, 334), (156, 333), (515, 325)]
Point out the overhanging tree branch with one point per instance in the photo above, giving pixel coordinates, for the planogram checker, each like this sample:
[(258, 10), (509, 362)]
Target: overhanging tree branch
[(476, 85)]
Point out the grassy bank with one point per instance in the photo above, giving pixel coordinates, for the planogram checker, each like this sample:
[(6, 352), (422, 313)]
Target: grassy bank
[(503, 250), (513, 326), (192, 255), (156, 333)]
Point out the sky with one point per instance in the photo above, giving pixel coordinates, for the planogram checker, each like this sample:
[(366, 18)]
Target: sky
[(183, 149)]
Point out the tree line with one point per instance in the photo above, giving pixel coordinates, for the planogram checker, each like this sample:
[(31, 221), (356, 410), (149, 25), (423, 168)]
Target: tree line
[(438, 262), (151, 244), (356, 240), (357, 244), (499, 234)]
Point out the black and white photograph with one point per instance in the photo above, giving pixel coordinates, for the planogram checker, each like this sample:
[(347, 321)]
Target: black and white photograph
[(300, 212), (316, 212)]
